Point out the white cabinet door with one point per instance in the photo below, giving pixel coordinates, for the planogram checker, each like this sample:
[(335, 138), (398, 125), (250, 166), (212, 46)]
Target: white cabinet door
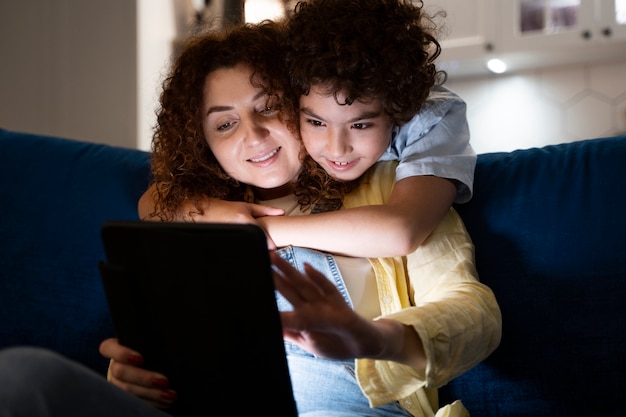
[(468, 27), (528, 34), (467, 33), (541, 24), (612, 19)]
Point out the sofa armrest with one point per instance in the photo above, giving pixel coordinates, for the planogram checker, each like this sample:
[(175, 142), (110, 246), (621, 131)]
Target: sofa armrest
[(55, 195)]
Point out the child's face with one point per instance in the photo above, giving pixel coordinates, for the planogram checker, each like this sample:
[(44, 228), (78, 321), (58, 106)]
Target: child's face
[(344, 139), (242, 127)]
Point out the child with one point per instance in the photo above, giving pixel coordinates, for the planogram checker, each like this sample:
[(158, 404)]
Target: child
[(376, 50)]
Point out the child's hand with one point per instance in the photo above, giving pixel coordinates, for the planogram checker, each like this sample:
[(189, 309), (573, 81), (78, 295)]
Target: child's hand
[(221, 211), (238, 212)]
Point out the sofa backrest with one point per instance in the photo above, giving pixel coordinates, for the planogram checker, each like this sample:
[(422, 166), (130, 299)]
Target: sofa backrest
[(54, 196), (550, 234)]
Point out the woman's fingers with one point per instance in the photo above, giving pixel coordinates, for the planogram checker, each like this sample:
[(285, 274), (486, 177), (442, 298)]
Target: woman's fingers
[(292, 284), (296, 287), (324, 284), (112, 349), (125, 372), (149, 386)]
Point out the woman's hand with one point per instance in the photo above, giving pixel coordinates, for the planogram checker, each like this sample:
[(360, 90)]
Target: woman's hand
[(323, 324), (321, 321), (126, 373)]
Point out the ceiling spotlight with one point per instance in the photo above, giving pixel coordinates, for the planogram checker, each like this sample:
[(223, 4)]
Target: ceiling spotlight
[(496, 66)]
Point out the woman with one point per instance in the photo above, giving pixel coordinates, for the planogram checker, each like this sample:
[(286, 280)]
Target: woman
[(244, 151)]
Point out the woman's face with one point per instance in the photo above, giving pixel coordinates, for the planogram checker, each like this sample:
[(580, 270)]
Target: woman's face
[(344, 139), (242, 127)]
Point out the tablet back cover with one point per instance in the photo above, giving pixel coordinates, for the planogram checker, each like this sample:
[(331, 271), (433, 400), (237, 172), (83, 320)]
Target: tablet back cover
[(197, 301)]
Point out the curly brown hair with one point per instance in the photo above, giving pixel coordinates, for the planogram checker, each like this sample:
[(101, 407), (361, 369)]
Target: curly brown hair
[(369, 49), (183, 165)]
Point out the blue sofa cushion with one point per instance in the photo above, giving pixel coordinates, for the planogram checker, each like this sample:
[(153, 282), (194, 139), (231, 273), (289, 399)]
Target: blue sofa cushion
[(549, 229), (55, 195)]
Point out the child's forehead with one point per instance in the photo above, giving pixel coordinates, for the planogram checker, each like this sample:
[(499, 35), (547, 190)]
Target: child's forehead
[(329, 107), (340, 93)]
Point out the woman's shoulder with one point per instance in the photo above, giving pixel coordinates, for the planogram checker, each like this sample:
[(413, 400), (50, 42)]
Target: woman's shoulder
[(375, 186)]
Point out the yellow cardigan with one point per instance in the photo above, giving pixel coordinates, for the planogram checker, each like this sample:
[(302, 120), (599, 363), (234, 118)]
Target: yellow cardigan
[(436, 291)]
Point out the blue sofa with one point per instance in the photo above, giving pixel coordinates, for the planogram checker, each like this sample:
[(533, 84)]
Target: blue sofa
[(549, 226)]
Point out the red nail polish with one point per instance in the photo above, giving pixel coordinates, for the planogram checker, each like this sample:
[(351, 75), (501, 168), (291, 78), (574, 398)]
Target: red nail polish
[(169, 395), (135, 360), (160, 382)]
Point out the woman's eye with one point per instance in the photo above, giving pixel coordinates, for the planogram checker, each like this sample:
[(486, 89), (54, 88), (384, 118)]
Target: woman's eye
[(224, 126), (272, 106), (270, 110)]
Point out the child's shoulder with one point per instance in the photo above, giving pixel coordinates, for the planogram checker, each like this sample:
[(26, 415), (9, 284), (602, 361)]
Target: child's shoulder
[(439, 103)]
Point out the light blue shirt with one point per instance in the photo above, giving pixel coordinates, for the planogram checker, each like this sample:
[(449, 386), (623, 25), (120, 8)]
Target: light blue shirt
[(436, 142)]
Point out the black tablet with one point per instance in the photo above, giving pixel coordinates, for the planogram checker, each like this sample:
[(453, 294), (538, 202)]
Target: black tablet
[(197, 301)]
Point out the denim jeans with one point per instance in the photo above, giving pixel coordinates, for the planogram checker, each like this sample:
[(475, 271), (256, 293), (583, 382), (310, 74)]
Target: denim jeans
[(325, 388), (35, 382)]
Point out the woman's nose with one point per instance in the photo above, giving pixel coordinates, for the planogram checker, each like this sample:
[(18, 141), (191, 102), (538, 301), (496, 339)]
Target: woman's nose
[(256, 131)]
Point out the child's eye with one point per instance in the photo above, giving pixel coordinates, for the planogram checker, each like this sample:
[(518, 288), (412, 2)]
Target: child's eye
[(314, 122)]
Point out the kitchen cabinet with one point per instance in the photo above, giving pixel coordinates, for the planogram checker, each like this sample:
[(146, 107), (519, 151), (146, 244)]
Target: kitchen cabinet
[(528, 34), (538, 24), (467, 29)]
